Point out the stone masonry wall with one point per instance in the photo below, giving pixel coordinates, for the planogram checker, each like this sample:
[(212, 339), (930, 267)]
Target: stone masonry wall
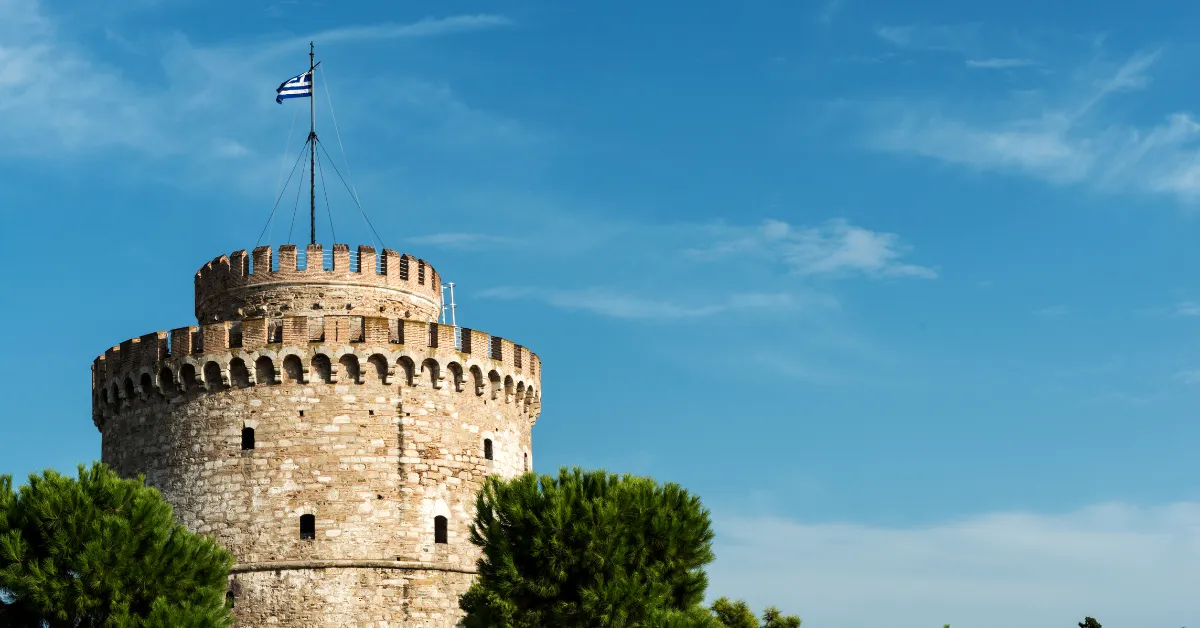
[(373, 438), (373, 597)]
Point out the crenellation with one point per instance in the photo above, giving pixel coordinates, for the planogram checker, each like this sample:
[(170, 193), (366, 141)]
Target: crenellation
[(287, 259), (376, 330), (340, 333), (229, 287), (506, 351), (414, 333), (445, 335), (391, 265), (314, 259), (295, 330), (341, 259), (262, 261), (127, 352), (214, 337), (254, 333), (367, 263), (239, 265), (181, 340), (364, 415)]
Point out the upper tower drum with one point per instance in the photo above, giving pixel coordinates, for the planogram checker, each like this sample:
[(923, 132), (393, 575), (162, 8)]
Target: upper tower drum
[(244, 285)]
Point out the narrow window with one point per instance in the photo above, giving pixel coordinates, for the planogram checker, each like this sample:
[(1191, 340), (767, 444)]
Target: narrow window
[(229, 598), (526, 461), (487, 448), (247, 438), (439, 529), (308, 527)]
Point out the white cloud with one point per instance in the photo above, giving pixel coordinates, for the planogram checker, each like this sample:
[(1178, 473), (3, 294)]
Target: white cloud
[(230, 149), (1191, 377), (835, 248), (962, 38), (615, 304), (1061, 141), (1187, 309), (428, 27), (464, 241), (998, 63), (1128, 567), (61, 99)]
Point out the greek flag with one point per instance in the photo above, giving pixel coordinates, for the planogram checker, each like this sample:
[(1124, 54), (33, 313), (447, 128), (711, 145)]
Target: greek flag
[(295, 87)]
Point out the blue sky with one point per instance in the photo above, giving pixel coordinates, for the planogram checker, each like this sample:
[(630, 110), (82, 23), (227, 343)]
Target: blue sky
[(903, 290)]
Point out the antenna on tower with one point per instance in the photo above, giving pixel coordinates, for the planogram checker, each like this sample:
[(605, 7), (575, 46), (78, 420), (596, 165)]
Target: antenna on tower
[(453, 318)]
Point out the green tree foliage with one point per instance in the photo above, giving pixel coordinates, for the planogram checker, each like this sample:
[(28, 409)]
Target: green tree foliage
[(773, 618), (738, 615), (99, 551), (1088, 622), (588, 550), (734, 614)]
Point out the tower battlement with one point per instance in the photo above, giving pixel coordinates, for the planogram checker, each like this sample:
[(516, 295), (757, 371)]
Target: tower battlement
[(306, 282), (217, 356)]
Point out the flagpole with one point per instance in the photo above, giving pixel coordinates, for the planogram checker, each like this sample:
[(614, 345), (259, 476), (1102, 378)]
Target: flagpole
[(312, 147)]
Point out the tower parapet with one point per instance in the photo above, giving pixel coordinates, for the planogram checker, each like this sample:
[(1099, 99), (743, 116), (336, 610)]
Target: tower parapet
[(301, 283)]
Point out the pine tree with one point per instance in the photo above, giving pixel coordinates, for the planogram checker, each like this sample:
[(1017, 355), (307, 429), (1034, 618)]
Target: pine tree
[(588, 550), (1089, 622), (734, 614), (773, 618), (99, 551)]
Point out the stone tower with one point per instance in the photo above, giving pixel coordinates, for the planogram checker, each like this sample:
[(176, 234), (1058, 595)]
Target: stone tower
[(321, 425)]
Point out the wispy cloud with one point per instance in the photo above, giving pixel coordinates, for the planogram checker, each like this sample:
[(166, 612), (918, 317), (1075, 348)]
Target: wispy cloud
[(611, 303), (1191, 377), (998, 63), (829, 11), (835, 248), (464, 241), (1053, 311), (428, 27), (62, 100), (1124, 565), (1187, 309), (1060, 140), (1127, 398), (962, 39)]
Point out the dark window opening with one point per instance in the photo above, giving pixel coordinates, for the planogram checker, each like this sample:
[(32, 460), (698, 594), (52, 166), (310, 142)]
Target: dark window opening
[(301, 413), (439, 529), (487, 448), (526, 462), (229, 598), (308, 527), (247, 438), (371, 412)]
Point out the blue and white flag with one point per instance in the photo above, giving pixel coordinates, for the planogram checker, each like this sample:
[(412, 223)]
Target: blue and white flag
[(295, 87)]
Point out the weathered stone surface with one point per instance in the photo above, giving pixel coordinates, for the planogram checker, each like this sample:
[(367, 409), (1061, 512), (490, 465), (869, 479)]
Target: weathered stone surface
[(374, 426)]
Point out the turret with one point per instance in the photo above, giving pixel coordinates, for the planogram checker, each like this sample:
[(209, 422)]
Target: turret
[(305, 283), (321, 425)]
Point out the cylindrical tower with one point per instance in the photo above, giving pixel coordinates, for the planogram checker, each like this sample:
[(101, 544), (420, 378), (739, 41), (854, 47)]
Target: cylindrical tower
[(326, 429)]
